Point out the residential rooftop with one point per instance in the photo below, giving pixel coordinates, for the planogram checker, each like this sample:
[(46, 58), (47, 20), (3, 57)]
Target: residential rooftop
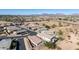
[(46, 35), (35, 40), (5, 44)]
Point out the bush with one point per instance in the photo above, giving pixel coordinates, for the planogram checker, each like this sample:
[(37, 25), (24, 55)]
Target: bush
[(77, 49), (69, 37), (60, 38), (65, 19), (60, 32), (43, 24), (53, 26), (60, 18), (60, 25), (50, 45), (59, 48), (46, 26), (78, 43)]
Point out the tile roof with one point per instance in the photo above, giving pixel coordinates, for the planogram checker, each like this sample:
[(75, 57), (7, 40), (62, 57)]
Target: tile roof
[(34, 39)]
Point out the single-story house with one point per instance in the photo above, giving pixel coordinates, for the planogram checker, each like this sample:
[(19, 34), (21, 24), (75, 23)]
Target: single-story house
[(47, 36), (35, 40), (12, 28)]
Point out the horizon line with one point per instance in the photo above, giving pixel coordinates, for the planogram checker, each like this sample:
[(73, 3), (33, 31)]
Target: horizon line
[(44, 14)]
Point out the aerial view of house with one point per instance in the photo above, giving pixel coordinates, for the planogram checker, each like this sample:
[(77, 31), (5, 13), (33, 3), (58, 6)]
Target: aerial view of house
[(39, 29)]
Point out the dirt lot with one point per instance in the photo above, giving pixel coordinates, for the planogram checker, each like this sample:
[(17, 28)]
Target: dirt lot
[(70, 34)]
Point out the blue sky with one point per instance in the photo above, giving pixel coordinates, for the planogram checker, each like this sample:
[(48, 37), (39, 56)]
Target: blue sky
[(36, 11)]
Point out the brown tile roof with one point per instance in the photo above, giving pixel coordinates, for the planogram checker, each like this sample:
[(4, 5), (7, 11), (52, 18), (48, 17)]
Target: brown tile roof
[(34, 39)]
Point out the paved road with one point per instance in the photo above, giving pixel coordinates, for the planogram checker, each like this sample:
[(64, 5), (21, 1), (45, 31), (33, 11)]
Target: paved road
[(21, 44), (17, 36), (31, 32)]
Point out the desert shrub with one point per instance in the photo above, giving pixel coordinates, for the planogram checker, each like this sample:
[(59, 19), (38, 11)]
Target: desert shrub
[(69, 37), (43, 24), (60, 32), (65, 19), (60, 18), (53, 26), (77, 43), (46, 26), (59, 48), (50, 45), (77, 49), (60, 25), (60, 38)]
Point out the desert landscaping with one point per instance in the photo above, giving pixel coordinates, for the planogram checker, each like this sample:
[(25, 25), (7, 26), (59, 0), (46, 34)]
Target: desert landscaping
[(69, 35)]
